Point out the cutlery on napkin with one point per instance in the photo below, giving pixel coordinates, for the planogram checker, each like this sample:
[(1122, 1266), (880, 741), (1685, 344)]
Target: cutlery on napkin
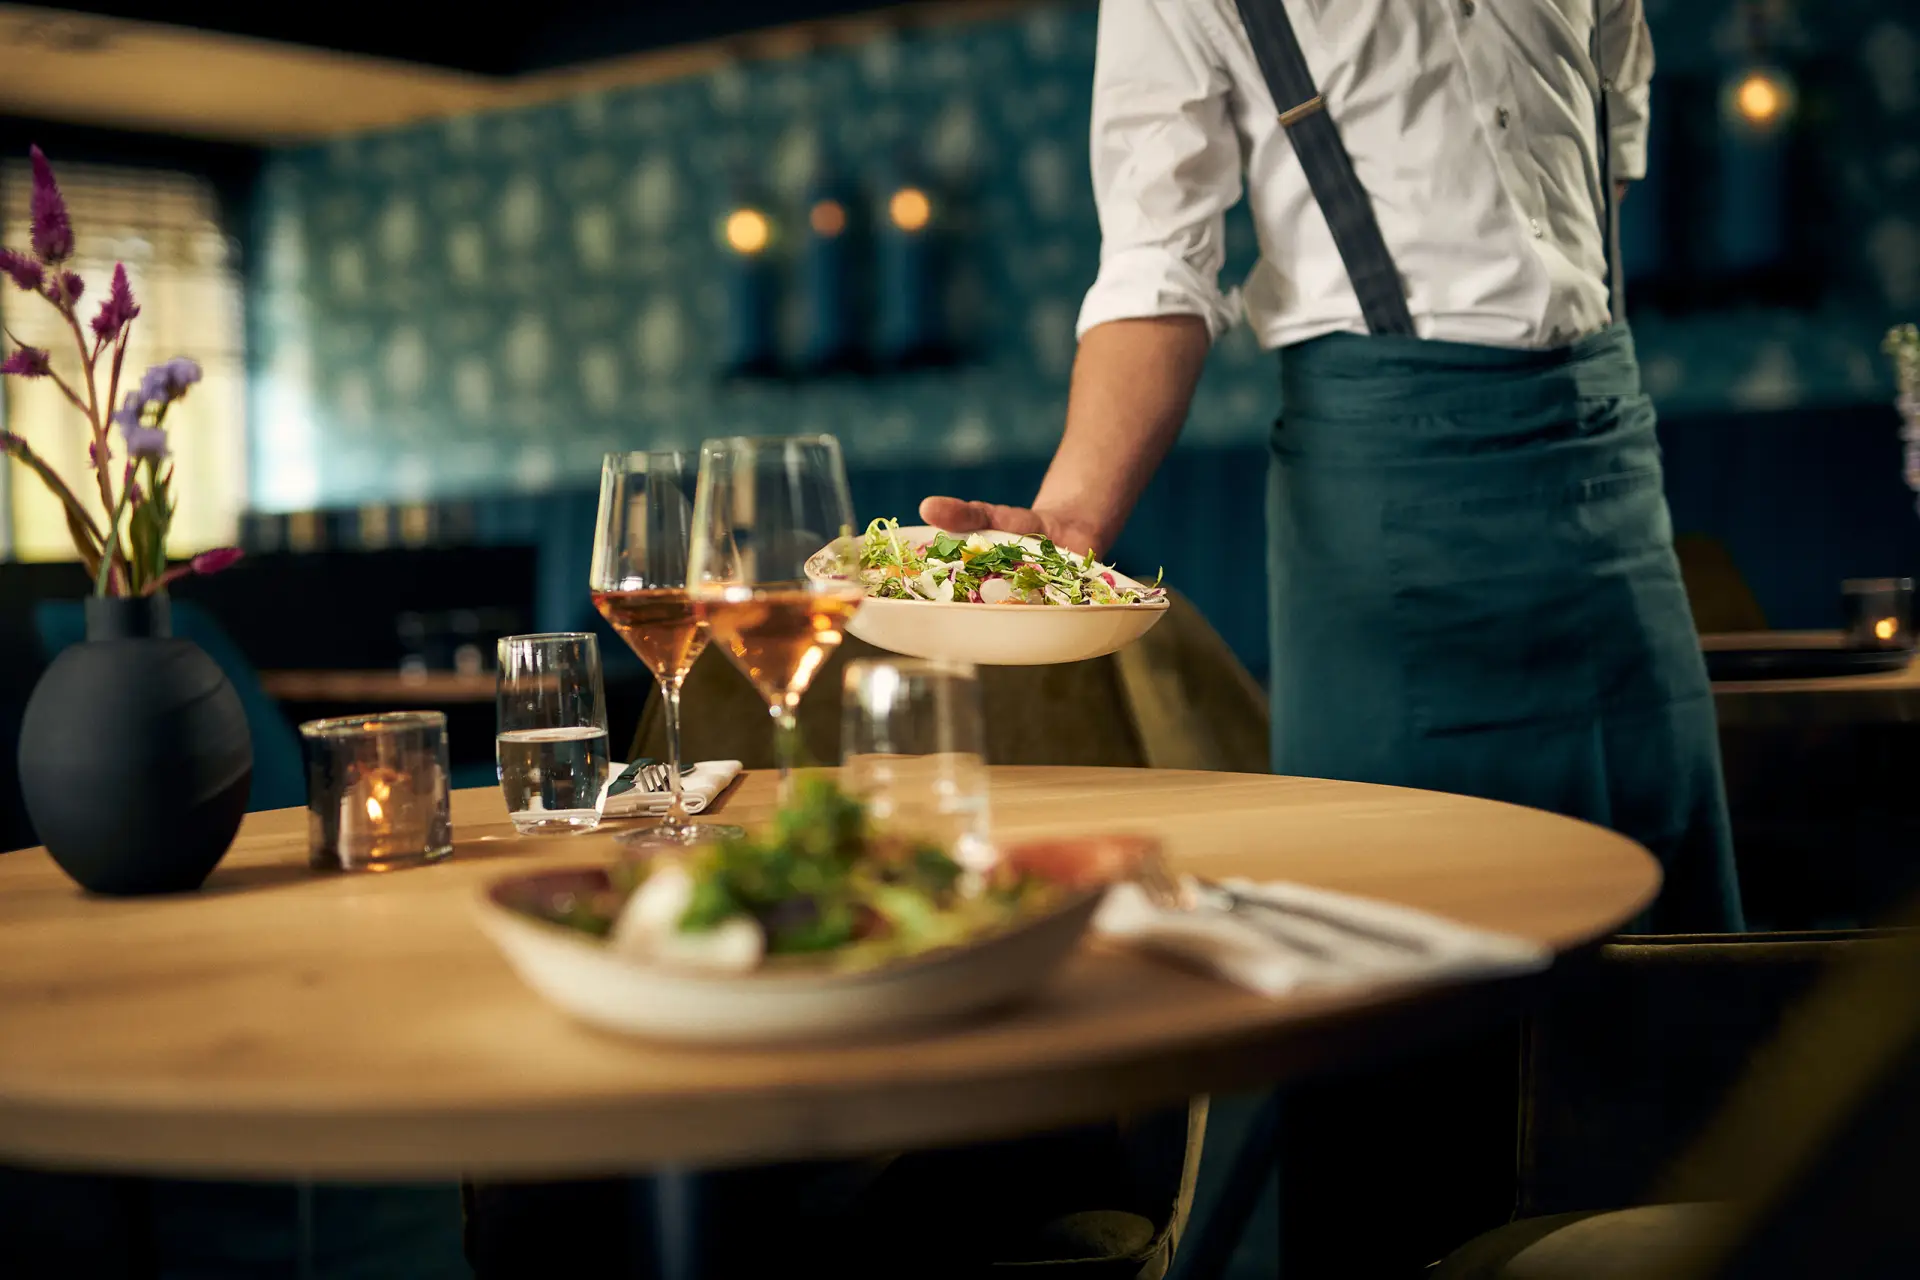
[(1276, 938), (699, 783)]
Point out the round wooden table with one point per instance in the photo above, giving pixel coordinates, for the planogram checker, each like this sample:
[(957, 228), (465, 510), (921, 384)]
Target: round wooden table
[(1881, 697), (282, 1023)]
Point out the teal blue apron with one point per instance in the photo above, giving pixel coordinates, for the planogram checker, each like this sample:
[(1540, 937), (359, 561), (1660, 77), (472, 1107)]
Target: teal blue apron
[(1473, 583), (1473, 589)]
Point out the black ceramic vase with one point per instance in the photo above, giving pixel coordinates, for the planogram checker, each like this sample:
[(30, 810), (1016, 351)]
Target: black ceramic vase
[(135, 759)]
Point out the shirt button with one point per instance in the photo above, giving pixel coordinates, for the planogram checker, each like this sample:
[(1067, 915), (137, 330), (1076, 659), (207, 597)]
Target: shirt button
[(1466, 8), (1533, 225), (1500, 116)]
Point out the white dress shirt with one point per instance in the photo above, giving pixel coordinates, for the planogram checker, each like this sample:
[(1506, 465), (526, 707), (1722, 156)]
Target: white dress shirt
[(1471, 124)]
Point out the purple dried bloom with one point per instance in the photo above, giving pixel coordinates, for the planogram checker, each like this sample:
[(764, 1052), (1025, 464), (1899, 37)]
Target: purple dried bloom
[(134, 494), (145, 442), (66, 286), (118, 310), (27, 362), (52, 231), (130, 410), (217, 559), (165, 383), (22, 270)]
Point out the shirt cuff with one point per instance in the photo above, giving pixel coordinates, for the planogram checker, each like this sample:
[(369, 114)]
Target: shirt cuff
[(1629, 154), (1142, 283)]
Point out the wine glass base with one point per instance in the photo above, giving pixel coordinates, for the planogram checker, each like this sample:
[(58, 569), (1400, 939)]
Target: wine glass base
[(684, 836)]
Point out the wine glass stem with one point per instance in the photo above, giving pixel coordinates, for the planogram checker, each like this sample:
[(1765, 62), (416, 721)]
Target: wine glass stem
[(786, 746), (676, 815)]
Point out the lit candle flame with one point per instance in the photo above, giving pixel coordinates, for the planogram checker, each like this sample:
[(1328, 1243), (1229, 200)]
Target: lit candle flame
[(374, 810), (1885, 628)]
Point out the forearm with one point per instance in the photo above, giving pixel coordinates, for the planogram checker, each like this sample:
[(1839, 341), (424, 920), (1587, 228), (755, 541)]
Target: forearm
[(1132, 383)]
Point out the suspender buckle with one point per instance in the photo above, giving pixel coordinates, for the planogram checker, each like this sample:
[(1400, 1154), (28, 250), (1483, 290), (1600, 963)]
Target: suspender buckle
[(1294, 115)]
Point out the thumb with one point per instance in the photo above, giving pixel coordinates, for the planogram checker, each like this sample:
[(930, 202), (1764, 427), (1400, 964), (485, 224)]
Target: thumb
[(956, 516)]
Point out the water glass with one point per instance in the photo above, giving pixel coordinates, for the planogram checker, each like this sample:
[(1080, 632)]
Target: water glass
[(913, 749), (551, 741)]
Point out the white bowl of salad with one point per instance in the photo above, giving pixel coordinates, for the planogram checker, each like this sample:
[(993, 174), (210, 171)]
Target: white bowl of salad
[(817, 929), (997, 599)]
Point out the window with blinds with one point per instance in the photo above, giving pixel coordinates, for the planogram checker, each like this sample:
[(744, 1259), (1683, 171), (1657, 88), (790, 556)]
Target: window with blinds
[(166, 228)]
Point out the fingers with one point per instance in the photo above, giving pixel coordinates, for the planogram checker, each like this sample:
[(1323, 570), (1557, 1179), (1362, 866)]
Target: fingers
[(957, 516)]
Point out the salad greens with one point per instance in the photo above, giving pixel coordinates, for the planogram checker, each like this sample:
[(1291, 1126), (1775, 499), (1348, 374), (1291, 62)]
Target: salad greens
[(980, 570), (822, 884)]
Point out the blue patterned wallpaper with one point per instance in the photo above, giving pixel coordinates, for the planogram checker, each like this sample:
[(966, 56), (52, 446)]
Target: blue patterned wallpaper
[(489, 304)]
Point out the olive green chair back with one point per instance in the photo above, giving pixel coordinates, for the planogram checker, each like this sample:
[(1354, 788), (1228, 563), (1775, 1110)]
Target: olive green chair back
[(1754, 1099)]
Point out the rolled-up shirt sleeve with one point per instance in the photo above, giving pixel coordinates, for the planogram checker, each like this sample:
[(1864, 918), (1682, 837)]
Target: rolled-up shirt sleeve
[(1626, 51), (1166, 167)]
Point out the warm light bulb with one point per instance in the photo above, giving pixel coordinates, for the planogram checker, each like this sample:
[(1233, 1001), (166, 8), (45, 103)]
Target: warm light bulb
[(1885, 628), (1762, 99), (747, 231), (910, 209), (828, 219)]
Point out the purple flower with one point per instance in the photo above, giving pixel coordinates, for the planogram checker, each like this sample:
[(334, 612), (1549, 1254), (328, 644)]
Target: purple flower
[(130, 410), (22, 270), (64, 288), (118, 310), (27, 362), (165, 383), (215, 560), (145, 442), (52, 232)]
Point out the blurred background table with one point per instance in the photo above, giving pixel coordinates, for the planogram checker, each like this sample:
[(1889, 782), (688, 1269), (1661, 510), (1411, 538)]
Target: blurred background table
[(1876, 697), (1820, 782), (430, 688), (280, 1023)]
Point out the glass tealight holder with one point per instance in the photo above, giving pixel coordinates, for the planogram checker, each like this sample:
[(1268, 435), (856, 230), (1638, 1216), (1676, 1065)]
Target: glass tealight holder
[(1879, 612), (377, 791)]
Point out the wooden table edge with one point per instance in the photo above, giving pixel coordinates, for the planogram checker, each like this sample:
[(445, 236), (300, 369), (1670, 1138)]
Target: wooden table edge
[(586, 1138), (580, 1136)]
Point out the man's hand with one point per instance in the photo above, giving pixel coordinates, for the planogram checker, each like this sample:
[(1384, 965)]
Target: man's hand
[(957, 516), (1132, 380)]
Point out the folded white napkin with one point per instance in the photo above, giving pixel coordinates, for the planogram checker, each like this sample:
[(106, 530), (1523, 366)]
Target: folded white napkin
[(1279, 953), (708, 779)]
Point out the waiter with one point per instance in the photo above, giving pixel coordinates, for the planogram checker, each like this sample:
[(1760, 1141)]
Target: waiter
[(1471, 574)]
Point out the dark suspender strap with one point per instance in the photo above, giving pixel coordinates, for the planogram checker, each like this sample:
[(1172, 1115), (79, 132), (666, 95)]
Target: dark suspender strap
[(1609, 207), (1329, 169)]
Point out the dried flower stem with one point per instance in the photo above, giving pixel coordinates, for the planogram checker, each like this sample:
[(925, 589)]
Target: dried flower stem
[(23, 452)]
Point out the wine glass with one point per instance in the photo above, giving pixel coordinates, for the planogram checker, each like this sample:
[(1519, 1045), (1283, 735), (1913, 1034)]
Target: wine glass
[(639, 584), (763, 508)]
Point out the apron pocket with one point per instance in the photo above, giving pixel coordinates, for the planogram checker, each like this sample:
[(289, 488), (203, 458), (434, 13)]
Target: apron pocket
[(1551, 603)]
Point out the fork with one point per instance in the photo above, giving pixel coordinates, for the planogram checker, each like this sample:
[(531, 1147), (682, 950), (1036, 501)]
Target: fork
[(1195, 894), (657, 777), (1172, 893)]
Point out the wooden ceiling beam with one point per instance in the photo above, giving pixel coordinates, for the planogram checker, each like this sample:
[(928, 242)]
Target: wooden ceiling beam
[(116, 73)]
